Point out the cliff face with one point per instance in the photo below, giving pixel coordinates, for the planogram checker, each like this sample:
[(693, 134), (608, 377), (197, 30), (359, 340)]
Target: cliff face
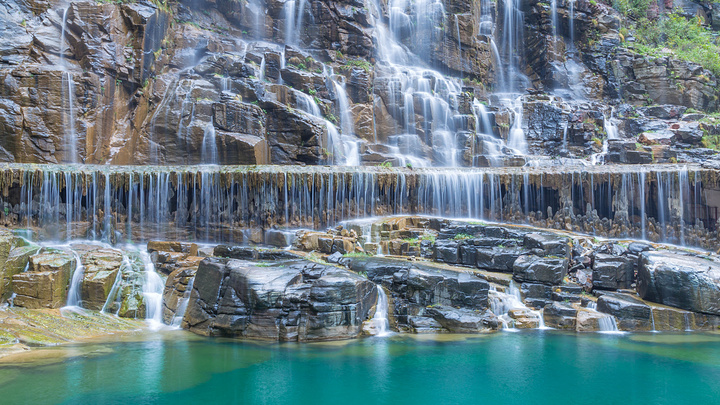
[(238, 82)]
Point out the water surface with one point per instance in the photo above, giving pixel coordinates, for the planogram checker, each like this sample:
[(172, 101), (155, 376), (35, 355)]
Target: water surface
[(533, 367)]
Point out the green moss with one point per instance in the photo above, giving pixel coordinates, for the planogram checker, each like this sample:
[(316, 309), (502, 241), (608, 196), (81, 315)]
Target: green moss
[(462, 236), (711, 142), (356, 254)]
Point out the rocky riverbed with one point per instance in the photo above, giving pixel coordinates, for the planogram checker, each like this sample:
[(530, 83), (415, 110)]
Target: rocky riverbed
[(438, 276)]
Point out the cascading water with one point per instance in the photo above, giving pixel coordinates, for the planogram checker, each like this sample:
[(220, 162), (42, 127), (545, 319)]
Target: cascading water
[(74, 298), (182, 305), (203, 203), (68, 94), (152, 292), (501, 303), (209, 150), (380, 322)]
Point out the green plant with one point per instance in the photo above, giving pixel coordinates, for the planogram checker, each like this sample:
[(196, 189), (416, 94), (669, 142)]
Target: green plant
[(312, 92), (688, 39), (386, 165), (360, 63), (462, 236)]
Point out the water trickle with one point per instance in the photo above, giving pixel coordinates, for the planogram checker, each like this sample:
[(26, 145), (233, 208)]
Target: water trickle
[(209, 151), (74, 299), (652, 319), (182, 305), (380, 321)]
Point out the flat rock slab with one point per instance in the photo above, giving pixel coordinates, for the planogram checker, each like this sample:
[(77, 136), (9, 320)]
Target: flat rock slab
[(680, 280)]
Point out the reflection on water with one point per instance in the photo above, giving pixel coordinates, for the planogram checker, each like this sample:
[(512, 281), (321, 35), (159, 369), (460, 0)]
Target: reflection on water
[(528, 367)]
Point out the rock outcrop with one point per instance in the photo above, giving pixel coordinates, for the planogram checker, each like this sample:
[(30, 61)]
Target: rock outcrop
[(286, 300), (45, 284), (680, 280)]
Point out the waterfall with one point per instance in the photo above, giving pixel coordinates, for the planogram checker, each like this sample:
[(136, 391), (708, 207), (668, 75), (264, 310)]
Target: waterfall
[(289, 18), (334, 149), (152, 292), (608, 324), (350, 143), (512, 47), (207, 203), (182, 305), (571, 22), (554, 22), (516, 138), (652, 319), (380, 321), (502, 303), (69, 118), (209, 151), (686, 320), (115, 289), (74, 298)]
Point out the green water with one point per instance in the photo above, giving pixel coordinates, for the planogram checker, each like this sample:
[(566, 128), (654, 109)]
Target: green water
[(531, 367)]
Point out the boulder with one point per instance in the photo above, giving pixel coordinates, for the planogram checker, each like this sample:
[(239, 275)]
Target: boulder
[(45, 283), (632, 314), (588, 321), (463, 320), (680, 280), (176, 294), (294, 300), (612, 272), (551, 244), (179, 247), (101, 268), (496, 259), (16, 262), (544, 270), (560, 316)]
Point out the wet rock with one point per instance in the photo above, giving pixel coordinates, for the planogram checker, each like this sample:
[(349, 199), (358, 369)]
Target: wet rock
[(560, 316), (447, 251), (463, 320), (16, 262), (45, 283), (250, 253), (289, 301), (100, 270), (497, 259), (552, 245), (335, 257), (524, 318), (632, 314), (178, 287), (544, 270), (612, 272), (179, 247), (588, 321), (680, 280)]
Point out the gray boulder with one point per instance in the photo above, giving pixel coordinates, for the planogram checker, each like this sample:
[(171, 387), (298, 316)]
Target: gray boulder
[(680, 280), (294, 300), (544, 270), (612, 272), (632, 314)]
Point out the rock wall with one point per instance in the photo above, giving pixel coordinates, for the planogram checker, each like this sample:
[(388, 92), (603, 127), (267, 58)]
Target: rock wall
[(198, 82)]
